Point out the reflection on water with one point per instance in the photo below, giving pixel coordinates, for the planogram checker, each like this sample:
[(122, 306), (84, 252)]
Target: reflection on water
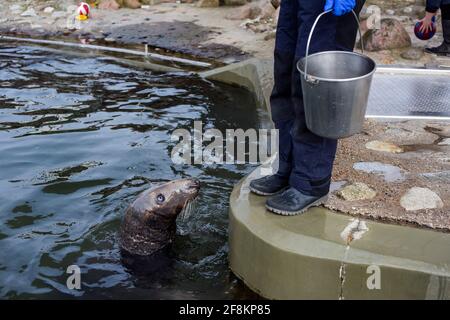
[(80, 138)]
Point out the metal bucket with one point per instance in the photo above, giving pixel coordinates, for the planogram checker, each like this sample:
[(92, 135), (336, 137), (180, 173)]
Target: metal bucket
[(335, 87)]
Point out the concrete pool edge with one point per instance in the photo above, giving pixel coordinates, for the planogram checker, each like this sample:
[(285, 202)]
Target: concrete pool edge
[(281, 263)]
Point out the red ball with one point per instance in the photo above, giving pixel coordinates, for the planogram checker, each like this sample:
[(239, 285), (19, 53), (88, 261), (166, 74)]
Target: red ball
[(83, 9), (426, 35)]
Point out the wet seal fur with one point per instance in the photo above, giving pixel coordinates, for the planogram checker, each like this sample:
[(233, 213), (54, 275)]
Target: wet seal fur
[(149, 224)]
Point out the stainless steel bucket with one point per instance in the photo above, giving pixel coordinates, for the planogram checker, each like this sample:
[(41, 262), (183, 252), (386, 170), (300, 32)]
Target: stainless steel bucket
[(335, 87)]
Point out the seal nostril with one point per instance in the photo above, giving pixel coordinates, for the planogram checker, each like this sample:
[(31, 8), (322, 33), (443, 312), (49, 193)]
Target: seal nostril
[(195, 184)]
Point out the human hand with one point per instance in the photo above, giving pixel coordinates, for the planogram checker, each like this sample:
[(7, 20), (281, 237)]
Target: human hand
[(427, 22), (340, 7)]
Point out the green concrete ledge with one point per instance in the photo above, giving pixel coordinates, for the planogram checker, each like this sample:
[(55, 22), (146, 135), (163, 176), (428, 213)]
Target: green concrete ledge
[(303, 257)]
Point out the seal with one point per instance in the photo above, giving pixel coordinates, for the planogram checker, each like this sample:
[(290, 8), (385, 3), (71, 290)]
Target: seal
[(149, 224)]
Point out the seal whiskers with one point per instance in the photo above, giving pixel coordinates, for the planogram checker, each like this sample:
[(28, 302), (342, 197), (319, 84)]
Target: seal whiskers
[(188, 209)]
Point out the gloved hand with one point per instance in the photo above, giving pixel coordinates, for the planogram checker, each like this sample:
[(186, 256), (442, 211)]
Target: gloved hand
[(340, 7)]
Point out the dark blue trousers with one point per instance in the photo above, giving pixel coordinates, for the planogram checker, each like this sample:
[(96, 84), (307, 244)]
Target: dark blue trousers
[(305, 158)]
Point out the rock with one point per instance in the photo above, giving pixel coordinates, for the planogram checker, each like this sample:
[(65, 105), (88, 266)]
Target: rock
[(270, 35), (58, 14), (208, 3), (108, 5), (16, 8), (408, 10), (390, 12), (412, 54), (30, 12), (383, 146), (36, 26), (48, 10), (357, 191), (445, 142), (276, 15), (408, 135), (391, 35), (275, 3), (234, 2), (72, 8), (337, 185), (267, 11), (420, 198), (439, 129), (132, 4), (440, 177), (389, 172), (249, 11)]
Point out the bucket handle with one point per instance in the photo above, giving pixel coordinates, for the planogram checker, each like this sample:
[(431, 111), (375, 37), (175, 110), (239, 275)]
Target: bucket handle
[(312, 31)]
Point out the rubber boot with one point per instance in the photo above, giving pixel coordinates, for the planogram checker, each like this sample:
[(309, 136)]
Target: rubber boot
[(292, 202), (444, 48)]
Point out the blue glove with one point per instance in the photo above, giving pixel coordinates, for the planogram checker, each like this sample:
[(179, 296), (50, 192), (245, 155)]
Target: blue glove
[(340, 7)]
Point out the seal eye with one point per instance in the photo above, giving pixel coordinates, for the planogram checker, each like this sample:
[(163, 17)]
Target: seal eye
[(160, 198)]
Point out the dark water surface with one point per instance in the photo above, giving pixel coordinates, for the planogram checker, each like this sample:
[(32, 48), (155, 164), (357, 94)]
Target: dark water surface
[(80, 138)]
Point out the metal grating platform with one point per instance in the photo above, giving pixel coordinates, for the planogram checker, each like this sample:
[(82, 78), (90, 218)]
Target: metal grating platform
[(410, 94)]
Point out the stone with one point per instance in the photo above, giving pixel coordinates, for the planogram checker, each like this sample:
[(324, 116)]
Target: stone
[(337, 185), (445, 142), (131, 4), (408, 10), (439, 129), (271, 35), (15, 8), (389, 172), (267, 11), (276, 15), (58, 14), (357, 191), (30, 12), (208, 3), (440, 176), (48, 10), (108, 5), (391, 35), (408, 135), (275, 3), (234, 2), (419, 199), (249, 11), (412, 54), (72, 8), (383, 146), (390, 12)]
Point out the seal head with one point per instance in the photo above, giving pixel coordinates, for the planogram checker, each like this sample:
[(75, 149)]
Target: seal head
[(149, 224)]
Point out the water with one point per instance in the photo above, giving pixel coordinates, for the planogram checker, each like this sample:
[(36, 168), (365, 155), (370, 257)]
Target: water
[(80, 138)]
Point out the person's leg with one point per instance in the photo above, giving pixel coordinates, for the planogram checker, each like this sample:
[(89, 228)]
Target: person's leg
[(282, 107), (313, 156), (444, 48)]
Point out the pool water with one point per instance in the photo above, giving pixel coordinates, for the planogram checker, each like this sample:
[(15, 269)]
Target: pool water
[(80, 138)]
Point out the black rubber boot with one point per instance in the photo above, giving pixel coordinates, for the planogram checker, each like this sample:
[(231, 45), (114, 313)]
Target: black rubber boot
[(269, 185), (292, 202), (444, 48)]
